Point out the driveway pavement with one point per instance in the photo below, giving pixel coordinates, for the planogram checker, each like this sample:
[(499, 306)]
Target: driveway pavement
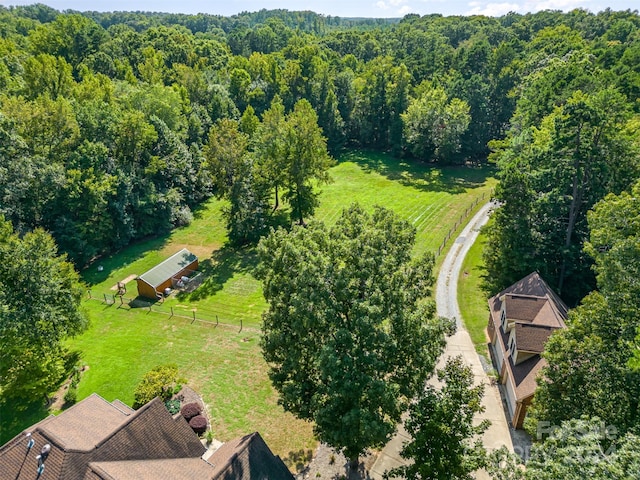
[(459, 344)]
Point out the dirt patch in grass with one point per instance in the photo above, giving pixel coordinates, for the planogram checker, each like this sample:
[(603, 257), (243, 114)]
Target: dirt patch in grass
[(202, 251), (124, 281)]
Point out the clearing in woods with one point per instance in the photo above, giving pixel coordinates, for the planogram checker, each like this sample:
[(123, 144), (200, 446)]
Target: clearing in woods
[(223, 363)]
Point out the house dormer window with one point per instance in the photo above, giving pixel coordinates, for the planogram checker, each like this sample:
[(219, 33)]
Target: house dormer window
[(503, 320), (512, 347)]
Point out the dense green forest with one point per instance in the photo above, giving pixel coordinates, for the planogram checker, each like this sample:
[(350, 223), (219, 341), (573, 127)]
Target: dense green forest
[(106, 118), (118, 126)]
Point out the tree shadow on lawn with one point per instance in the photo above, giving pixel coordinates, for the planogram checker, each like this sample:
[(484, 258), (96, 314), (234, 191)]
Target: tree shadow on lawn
[(220, 268), (128, 255), (16, 418), (428, 177)]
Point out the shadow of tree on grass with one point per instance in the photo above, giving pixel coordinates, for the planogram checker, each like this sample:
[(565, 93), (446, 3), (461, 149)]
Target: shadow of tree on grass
[(220, 268), (92, 276), (16, 418), (423, 176)]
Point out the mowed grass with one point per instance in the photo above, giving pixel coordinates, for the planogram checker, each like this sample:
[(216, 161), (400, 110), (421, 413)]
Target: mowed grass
[(472, 299), (225, 366), (431, 198), (223, 363)]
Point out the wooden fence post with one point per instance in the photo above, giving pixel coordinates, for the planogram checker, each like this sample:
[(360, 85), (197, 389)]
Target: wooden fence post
[(194, 316), (240, 325), (171, 312)]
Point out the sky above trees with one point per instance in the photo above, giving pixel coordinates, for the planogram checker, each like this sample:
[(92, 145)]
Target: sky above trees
[(354, 8)]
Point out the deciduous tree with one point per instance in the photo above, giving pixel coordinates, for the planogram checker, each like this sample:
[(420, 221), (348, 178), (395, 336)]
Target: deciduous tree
[(433, 125), (589, 371), (580, 152), (349, 336), (306, 160), (444, 443), (40, 294)]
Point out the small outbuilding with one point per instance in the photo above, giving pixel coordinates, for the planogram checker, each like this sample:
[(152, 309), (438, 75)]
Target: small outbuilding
[(154, 282)]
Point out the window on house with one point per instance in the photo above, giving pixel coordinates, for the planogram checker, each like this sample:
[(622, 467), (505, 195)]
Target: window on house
[(512, 347), (503, 320)]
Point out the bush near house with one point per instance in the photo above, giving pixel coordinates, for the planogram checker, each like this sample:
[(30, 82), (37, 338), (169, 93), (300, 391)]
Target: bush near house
[(190, 410), (162, 381), (198, 424)]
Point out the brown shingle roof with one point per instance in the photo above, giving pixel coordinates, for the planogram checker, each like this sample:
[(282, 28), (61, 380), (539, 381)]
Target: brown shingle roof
[(531, 286), (86, 424), (531, 338), (524, 376), (16, 462), (537, 311), (173, 468), (523, 307), (133, 445), (148, 433), (248, 458)]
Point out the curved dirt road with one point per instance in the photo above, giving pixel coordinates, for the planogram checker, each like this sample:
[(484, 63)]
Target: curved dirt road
[(459, 344), (447, 283)]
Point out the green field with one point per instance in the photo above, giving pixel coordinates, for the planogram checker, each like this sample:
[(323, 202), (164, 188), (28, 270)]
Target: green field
[(472, 299), (221, 362)]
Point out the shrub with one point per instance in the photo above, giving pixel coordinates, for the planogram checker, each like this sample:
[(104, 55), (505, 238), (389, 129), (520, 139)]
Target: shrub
[(198, 424), (75, 376), (173, 406), (190, 410), (161, 382), (71, 396)]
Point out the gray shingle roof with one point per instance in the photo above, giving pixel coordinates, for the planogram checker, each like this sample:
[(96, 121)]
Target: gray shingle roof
[(169, 268)]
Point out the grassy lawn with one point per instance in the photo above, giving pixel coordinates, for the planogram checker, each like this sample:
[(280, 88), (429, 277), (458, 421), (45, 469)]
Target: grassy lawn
[(472, 299), (431, 198), (224, 364)]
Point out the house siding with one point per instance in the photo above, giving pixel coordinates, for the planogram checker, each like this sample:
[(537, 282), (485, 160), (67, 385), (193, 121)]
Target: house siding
[(499, 354), (510, 393), (149, 291), (145, 290)]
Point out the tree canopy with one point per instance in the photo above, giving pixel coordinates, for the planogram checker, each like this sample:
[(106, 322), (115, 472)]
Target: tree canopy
[(589, 372), (40, 296), (349, 336), (576, 449), (444, 440), (119, 108), (550, 176)]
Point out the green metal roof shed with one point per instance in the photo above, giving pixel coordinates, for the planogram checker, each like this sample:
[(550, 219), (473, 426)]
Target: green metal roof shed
[(154, 281)]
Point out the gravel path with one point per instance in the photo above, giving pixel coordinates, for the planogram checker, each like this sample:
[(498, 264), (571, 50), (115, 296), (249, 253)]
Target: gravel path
[(327, 464), (447, 283)]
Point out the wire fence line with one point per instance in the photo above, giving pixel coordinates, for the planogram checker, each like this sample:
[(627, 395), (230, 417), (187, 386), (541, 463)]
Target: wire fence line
[(459, 223), (138, 303), (128, 304)]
